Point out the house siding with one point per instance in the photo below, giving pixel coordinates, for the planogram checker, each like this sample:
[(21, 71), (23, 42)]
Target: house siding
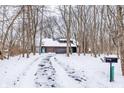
[(50, 49), (59, 50)]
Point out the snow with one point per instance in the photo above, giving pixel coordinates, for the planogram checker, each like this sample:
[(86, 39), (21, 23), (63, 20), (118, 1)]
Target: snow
[(63, 78), (55, 43), (58, 70), (96, 71), (15, 68)]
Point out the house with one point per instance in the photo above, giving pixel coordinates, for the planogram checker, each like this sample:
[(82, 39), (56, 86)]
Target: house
[(56, 46)]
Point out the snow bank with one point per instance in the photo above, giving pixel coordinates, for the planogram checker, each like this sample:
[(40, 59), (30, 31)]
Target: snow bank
[(96, 71), (15, 68)]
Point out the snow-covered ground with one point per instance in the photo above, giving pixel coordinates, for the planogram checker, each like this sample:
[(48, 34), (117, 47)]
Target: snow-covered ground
[(57, 70), (90, 71)]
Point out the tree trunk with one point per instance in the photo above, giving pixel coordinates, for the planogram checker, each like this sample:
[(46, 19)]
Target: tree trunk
[(41, 30), (121, 28), (68, 32), (23, 33), (94, 33)]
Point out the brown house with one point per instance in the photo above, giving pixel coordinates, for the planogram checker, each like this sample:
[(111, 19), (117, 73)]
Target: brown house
[(56, 46)]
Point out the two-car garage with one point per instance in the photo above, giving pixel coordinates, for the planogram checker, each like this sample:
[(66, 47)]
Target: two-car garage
[(56, 46), (59, 50)]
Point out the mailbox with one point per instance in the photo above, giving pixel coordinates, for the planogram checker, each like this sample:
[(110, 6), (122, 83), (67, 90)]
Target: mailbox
[(111, 59)]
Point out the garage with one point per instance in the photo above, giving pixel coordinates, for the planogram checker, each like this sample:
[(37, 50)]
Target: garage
[(60, 49), (56, 46)]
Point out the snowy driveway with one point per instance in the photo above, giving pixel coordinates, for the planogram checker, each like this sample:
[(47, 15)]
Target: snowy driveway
[(50, 70), (52, 74), (37, 71)]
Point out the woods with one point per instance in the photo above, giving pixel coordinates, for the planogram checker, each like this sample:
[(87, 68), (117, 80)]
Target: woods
[(96, 29)]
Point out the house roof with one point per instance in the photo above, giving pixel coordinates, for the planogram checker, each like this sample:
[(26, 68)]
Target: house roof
[(50, 42)]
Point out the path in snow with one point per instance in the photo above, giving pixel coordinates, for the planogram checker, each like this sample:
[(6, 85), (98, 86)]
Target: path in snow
[(52, 74), (46, 74), (67, 77), (37, 71), (40, 73)]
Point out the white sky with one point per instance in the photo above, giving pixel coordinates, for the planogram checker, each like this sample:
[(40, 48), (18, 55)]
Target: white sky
[(62, 2)]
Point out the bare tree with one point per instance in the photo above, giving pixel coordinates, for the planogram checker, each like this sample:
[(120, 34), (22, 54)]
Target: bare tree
[(7, 31), (41, 28)]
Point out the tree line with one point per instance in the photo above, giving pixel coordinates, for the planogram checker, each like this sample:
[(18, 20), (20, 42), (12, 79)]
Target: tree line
[(96, 29)]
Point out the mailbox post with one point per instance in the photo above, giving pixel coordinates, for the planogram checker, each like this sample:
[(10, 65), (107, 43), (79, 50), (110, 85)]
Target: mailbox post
[(111, 72), (111, 60)]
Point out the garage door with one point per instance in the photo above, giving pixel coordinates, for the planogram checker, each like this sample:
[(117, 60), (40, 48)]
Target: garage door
[(60, 50), (50, 50)]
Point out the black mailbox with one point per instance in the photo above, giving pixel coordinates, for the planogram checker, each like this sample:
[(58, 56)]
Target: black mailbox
[(111, 59)]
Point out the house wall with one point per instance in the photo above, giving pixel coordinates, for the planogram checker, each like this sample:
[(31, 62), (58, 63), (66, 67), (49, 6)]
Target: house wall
[(58, 50), (50, 49)]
